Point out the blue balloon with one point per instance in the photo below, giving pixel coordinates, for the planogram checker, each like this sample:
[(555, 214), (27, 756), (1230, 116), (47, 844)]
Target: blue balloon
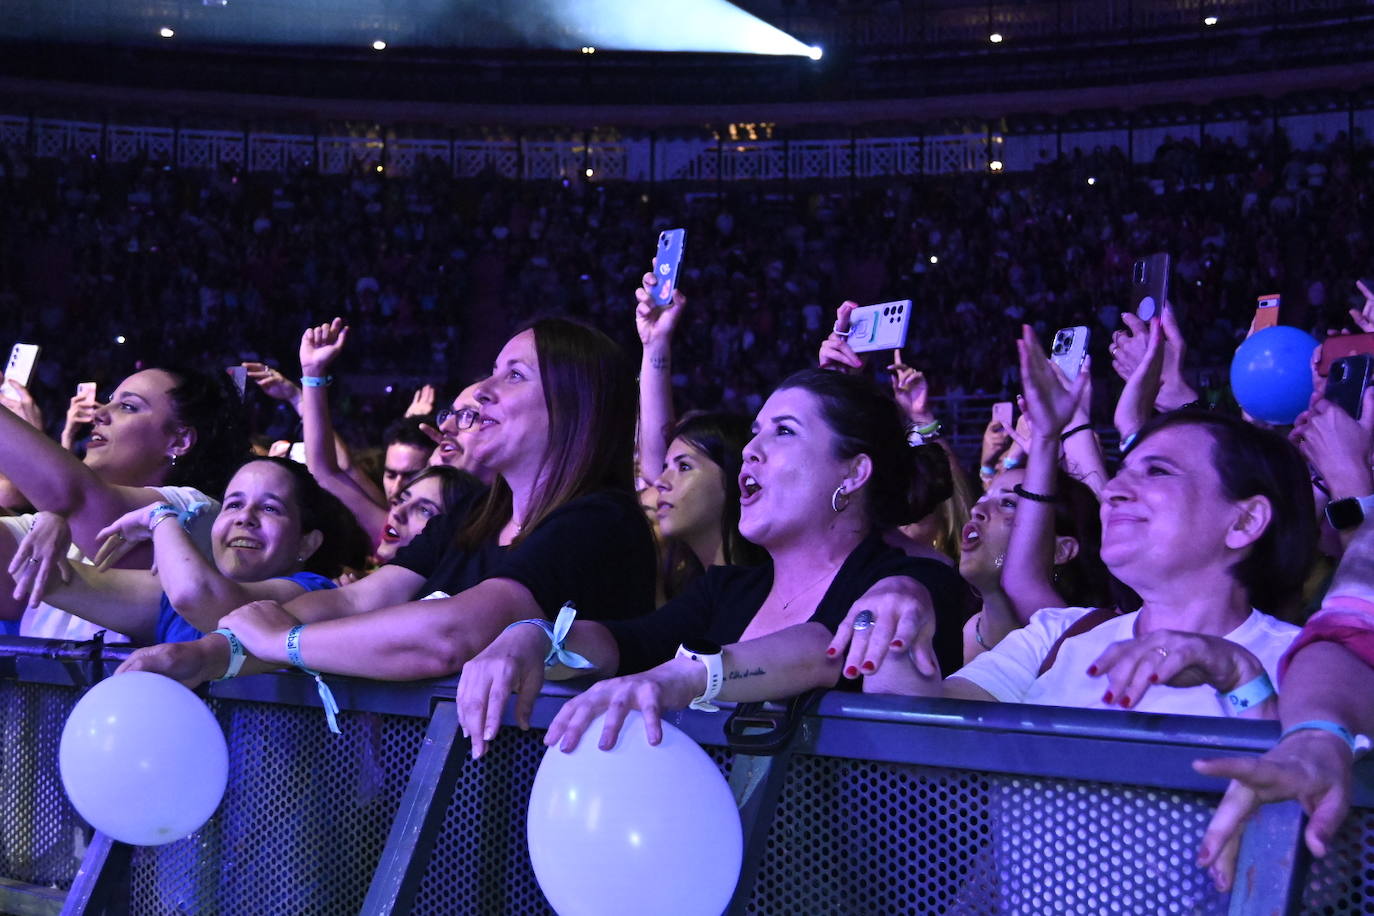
[(1271, 374)]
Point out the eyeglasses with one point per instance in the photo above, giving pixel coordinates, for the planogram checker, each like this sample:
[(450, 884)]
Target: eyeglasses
[(463, 419)]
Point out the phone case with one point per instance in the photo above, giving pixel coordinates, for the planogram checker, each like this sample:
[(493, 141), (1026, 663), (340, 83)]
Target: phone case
[(1341, 345), (669, 258), (20, 367), (1347, 381), (879, 327), (1266, 313), (1150, 285), (1069, 350), (1003, 412)]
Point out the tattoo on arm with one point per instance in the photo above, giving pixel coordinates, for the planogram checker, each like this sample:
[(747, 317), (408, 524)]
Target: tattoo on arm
[(737, 675), (658, 362)]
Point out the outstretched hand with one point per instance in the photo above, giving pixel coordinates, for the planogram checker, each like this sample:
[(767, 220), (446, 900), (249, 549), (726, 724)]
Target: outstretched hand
[(321, 345), (1050, 400), (654, 322)]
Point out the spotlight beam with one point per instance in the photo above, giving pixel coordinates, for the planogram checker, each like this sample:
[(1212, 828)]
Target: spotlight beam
[(686, 25)]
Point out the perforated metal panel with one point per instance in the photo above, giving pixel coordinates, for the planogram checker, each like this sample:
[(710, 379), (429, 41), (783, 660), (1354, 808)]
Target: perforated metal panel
[(858, 837), (40, 833), (1342, 883), (303, 822), (480, 862)]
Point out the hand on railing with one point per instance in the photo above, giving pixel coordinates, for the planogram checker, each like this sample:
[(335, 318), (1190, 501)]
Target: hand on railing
[(1310, 766), (1172, 658), (191, 663), (262, 627), (835, 350), (672, 685), (514, 661), (902, 621), (40, 556)]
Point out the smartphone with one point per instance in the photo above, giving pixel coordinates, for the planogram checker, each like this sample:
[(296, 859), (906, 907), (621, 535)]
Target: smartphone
[(1348, 379), (1342, 345), (85, 391), (1150, 285), (1069, 350), (20, 367), (1266, 313), (879, 327), (297, 452), (239, 374), (666, 264), (1002, 413)]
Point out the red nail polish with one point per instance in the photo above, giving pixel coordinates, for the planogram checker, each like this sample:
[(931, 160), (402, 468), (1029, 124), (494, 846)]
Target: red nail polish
[(1154, 679), (897, 644), (832, 652), (1107, 697), (1125, 702), (851, 671), (1092, 670), (868, 666)]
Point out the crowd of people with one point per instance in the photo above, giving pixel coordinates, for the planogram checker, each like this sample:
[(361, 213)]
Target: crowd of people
[(763, 511)]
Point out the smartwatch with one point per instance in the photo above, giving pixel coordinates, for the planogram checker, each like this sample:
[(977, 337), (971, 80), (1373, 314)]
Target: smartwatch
[(709, 654), (1349, 513)]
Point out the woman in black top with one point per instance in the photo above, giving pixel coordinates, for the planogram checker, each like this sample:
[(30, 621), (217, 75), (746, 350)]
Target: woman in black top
[(827, 469), (559, 524)]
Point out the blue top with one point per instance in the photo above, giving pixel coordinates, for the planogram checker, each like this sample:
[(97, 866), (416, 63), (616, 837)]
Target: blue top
[(172, 627)]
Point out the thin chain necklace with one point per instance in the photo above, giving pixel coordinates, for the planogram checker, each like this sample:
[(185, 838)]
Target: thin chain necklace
[(789, 601)]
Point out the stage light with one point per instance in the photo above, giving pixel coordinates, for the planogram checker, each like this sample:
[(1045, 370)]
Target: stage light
[(1092, 180), (379, 45), (381, 168), (711, 26), (815, 52), (589, 173), (934, 259), (995, 38), (1210, 20), (165, 32), (995, 165), (119, 338)]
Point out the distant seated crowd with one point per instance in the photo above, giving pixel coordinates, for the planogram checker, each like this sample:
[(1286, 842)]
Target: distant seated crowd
[(433, 271)]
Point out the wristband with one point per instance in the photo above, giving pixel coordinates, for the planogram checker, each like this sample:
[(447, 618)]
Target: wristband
[(317, 381), (1247, 695), (987, 471), (1128, 442), (1034, 497), (1064, 436), (293, 655), (160, 513), (191, 513), (1008, 463), (1358, 744), (237, 655), (558, 636)]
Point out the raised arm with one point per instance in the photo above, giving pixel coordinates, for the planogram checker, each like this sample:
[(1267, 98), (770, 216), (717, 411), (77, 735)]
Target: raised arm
[(1032, 550), (656, 416), (320, 346)]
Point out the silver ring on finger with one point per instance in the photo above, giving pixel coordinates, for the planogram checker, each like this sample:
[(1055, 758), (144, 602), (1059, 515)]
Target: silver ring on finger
[(1163, 652), (864, 620), (32, 560)]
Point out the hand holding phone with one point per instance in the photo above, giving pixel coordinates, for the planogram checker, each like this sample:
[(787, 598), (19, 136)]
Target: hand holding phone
[(20, 367), (666, 265), (1070, 350), (1347, 381), (1150, 285), (1266, 313), (1339, 346), (879, 327)]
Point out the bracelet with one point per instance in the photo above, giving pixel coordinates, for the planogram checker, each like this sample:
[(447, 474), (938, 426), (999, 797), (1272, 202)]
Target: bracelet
[(191, 513), (159, 514), (237, 655), (1128, 442), (293, 655), (1063, 437), (558, 635), (1358, 744), (986, 471), (1249, 694), (1008, 463), (1034, 497), (978, 631), (317, 381)]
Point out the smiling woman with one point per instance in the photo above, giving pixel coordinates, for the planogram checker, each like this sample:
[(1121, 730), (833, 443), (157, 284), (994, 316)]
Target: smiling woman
[(277, 535)]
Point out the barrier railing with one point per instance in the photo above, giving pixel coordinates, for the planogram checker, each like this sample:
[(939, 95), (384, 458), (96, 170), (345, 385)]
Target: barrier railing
[(877, 804)]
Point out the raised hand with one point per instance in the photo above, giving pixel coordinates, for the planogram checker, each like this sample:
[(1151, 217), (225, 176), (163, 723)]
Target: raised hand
[(273, 383), (835, 350), (320, 346), (1364, 316), (911, 389), (656, 323), (1050, 400), (1142, 385), (422, 402)]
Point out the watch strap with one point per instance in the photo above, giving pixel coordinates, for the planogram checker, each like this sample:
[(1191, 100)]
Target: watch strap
[(715, 678)]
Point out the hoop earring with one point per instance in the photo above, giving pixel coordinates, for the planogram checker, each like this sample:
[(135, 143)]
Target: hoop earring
[(839, 500)]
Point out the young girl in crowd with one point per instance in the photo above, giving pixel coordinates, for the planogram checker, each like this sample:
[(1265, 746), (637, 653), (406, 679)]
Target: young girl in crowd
[(559, 525), (826, 471), (166, 435), (277, 536), (433, 492)]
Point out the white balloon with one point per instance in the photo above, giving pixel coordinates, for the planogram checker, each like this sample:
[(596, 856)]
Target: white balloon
[(143, 759), (636, 829)]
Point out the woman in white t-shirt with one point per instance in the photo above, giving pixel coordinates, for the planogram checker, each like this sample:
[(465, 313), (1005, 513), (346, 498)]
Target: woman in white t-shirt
[(164, 436), (1210, 520)]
